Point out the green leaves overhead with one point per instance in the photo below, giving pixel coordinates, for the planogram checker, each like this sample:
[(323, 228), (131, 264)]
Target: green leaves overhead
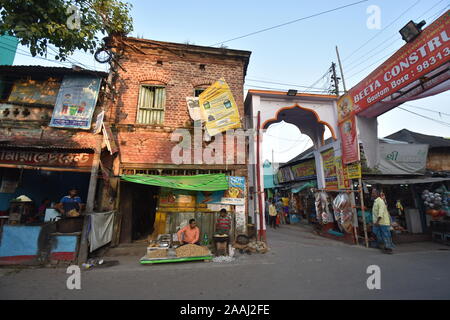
[(66, 24)]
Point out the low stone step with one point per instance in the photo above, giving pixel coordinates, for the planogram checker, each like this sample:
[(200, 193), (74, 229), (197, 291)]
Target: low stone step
[(127, 250)]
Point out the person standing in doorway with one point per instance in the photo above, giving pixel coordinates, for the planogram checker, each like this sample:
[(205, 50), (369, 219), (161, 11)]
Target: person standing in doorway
[(381, 222), (223, 224)]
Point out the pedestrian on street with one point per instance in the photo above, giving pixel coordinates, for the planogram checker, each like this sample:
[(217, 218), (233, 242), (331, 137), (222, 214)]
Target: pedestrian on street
[(381, 222), (279, 207), (266, 210), (273, 215)]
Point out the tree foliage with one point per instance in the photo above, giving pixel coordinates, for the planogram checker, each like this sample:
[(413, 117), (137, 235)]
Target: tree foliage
[(38, 23)]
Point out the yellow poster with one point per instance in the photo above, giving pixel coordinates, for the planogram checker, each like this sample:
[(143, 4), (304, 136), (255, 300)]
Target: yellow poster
[(353, 170), (219, 109)]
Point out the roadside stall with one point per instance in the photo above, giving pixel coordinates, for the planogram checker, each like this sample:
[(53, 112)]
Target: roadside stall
[(33, 182), (199, 197)]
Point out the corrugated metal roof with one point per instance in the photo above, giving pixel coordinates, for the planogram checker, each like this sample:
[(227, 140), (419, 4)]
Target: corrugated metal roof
[(28, 69), (414, 137), (45, 145)]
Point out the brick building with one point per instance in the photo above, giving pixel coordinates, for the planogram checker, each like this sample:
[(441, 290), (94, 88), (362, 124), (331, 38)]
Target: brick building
[(152, 82)]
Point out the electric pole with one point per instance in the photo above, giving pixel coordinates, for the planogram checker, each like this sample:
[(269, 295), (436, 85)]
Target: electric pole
[(335, 80)]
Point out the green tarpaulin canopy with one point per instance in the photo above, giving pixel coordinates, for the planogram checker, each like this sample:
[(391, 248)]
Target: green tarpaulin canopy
[(298, 188), (200, 182)]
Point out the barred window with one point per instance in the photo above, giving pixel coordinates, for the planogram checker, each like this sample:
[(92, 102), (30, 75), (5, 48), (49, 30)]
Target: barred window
[(151, 105)]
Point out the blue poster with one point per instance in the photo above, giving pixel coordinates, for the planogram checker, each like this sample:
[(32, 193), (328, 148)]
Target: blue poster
[(75, 103)]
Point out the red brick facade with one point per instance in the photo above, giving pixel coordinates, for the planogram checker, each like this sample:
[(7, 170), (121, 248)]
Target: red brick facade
[(180, 69)]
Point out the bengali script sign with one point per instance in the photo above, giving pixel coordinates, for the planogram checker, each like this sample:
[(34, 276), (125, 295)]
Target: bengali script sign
[(52, 159)]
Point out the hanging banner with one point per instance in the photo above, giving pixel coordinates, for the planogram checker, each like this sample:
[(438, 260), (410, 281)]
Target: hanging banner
[(341, 174), (76, 102), (415, 60), (329, 168), (349, 138), (219, 109), (402, 158), (235, 194)]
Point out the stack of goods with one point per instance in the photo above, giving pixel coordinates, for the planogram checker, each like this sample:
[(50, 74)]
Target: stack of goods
[(192, 250), (154, 250), (436, 203)]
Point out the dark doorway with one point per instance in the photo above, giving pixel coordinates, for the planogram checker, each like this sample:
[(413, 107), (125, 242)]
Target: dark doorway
[(144, 210), (138, 207)]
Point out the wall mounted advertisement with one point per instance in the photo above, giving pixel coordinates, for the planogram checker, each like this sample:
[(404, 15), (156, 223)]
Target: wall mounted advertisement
[(76, 102)]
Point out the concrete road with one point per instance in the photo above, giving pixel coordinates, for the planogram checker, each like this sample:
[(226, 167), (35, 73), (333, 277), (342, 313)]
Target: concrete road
[(300, 265)]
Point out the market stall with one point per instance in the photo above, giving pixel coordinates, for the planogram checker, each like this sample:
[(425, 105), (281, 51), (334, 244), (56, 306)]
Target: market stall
[(182, 199), (35, 228)]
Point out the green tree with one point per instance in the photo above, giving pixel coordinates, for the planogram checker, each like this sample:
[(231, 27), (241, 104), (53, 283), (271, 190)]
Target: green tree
[(67, 24)]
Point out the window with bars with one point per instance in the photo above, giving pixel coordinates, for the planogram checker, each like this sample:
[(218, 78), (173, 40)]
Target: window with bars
[(151, 105)]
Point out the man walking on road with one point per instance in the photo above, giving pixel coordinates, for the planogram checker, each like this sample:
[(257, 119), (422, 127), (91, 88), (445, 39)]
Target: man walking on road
[(381, 222), (273, 215)]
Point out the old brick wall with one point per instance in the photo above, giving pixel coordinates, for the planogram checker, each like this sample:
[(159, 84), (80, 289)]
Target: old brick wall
[(181, 71)]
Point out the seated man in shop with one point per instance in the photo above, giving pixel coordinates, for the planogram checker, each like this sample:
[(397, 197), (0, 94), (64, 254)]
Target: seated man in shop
[(190, 234), (70, 205), (223, 224)]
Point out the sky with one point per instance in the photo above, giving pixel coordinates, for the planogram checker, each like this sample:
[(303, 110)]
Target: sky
[(298, 53)]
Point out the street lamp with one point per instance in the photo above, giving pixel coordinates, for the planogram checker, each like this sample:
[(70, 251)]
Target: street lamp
[(292, 92), (411, 30)]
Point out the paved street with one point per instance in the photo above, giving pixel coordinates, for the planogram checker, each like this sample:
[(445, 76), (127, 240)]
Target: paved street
[(300, 265)]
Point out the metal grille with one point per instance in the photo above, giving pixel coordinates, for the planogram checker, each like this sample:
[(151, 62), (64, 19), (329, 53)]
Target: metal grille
[(152, 101)]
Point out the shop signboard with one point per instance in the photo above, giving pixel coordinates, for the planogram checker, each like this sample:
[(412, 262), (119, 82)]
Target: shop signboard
[(329, 168), (235, 195), (50, 159), (35, 91), (219, 109), (428, 52), (305, 170), (76, 102), (353, 171), (341, 174), (402, 158)]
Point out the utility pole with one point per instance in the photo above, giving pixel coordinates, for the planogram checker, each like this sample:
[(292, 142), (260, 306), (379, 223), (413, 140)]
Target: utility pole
[(342, 71), (335, 79)]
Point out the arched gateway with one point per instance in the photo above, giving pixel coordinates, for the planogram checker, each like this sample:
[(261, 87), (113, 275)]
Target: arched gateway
[(309, 112)]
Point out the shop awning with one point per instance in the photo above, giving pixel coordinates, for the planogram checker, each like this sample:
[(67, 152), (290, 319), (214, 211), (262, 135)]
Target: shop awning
[(299, 187), (404, 180), (200, 182)]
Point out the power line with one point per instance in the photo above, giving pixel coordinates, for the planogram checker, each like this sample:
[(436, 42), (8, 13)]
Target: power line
[(279, 89), (394, 35), (425, 109), (425, 117), (379, 32), (382, 58), (290, 22), (280, 83)]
